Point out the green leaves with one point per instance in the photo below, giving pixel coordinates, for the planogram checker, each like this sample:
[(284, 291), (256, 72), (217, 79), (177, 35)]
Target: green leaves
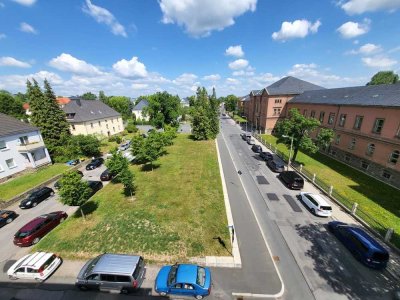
[(11, 105), (73, 190), (163, 109), (118, 166), (384, 77)]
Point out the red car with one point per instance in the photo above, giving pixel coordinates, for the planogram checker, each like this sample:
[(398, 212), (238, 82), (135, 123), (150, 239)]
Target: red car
[(32, 232)]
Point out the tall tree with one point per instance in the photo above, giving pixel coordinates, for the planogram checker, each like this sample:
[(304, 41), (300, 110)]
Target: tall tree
[(11, 105), (148, 150), (102, 97), (299, 127), (213, 107), (73, 191), (89, 96), (230, 102), (121, 104), (384, 77), (163, 108)]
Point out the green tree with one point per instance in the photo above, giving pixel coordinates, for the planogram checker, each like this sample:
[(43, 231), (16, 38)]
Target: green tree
[(89, 96), (87, 145), (384, 77), (102, 97), (121, 104), (200, 124), (163, 109), (127, 179), (213, 107), (300, 127), (230, 102), (11, 105), (131, 127), (116, 164), (148, 150), (74, 191)]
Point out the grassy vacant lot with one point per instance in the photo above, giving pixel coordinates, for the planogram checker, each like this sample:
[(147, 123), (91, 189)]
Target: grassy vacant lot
[(177, 211), (374, 197), (25, 182)]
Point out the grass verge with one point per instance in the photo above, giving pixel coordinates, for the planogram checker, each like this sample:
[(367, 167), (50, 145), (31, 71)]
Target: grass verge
[(27, 181), (177, 211)]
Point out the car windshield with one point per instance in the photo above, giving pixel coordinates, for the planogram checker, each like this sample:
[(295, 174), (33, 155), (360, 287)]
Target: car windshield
[(298, 180), (91, 265), (326, 208), (172, 275), (201, 276), (379, 256), (48, 262), (22, 234)]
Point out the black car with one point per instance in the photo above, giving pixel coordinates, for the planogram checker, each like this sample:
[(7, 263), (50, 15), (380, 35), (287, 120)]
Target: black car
[(292, 180), (266, 155), (7, 216), (106, 175), (256, 148), (95, 186), (275, 166), (36, 197), (95, 163), (57, 185)]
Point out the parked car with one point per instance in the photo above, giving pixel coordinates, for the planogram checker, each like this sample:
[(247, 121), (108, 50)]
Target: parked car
[(36, 197), (125, 146), (38, 266), (250, 141), (317, 204), (106, 175), (245, 136), (364, 248), (275, 166), (7, 216), (57, 185), (184, 279), (109, 272), (95, 186), (33, 231), (95, 163), (266, 155), (292, 180), (256, 148), (73, 162)]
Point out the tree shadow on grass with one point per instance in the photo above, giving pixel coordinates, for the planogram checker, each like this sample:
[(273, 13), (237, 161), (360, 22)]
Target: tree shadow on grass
[(87, 208), (149, 167)]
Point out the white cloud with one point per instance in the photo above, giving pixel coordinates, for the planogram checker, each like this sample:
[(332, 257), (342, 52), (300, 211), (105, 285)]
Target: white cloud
[(236, 51), (185, 79), (130, 68), (361, 6), (201, 17), (139, 86), (102, 15), (2, 36), (351, 30), (66, 62), (212, 77), (367, 49), (18, 82), (25, 27), (297, 29), (380, 62), (247, 72), (233, 81), (25, 2), (8, 61), (238, 64)]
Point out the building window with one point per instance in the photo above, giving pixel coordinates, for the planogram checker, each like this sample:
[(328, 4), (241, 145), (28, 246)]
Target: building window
[(312, 114), (107, 126), (112, 121), (337, 141), (99, 123), (370, 149), (352, 144), (277, 111), (364, 165), (378, 125), (386, 175), (305, 112), (333, 152), (114, 129), (10, 163), (394, 157), (321, 116), (342, 120), (278, 100), (347, 158), (3, 145), (91, 125), (331, 118), (358, 122), (73, 127), (23, 140)]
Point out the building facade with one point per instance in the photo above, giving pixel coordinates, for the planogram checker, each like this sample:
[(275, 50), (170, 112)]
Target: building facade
[(138, 110), (366, 123), (21, 147)]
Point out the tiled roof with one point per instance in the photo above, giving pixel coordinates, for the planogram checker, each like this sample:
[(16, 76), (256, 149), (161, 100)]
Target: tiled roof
[(63, 100), (88, 110), (245, 98), (255, 92), (371, 95), (291, 86), (142, 104), (10, 126)]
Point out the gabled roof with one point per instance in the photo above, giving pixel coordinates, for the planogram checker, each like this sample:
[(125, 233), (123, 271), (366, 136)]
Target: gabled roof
[(371, 95), (142, 104), (245, 98), (88, 110), (255, 92), (291, 86), (10, 126)]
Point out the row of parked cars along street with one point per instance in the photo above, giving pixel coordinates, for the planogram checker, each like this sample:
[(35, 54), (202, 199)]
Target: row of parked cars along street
[(364, 247)]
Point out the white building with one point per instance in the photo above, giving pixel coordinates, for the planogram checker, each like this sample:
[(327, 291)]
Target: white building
[(138, 110), (21, 147)]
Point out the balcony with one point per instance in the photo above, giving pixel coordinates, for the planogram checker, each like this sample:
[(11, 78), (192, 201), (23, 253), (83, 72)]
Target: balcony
[(30, 147)]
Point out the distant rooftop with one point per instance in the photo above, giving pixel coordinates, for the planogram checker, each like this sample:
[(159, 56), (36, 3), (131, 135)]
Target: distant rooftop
[(291, 86), (142, 104), (87, 110), (11, 126)]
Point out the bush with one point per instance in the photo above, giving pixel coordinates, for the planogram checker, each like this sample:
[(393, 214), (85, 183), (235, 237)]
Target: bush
[(115, 138), (131, 127)]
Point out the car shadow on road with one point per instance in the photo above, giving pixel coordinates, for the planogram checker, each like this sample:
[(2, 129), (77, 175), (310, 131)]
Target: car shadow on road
[(339, 269)]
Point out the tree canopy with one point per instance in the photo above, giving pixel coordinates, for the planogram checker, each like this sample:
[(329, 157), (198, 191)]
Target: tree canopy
[(384, 77), (11, 105), (163, 108), (89, 96), (121, 104), (74, 191), (230, 102)]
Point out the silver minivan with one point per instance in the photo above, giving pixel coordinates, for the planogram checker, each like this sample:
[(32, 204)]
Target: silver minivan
[(112, 272)]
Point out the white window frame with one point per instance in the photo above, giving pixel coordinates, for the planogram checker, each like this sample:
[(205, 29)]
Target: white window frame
[(12, 167), (5, 146)]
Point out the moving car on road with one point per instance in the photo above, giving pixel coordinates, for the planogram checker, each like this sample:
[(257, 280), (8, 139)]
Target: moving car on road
[(7, 216), (36, 197), (95, 163), (292, 180), (317, 204), (33, 231), (185, 280), (38, 266), (266, 155), (256, 148), (364, 248), (275, 166)]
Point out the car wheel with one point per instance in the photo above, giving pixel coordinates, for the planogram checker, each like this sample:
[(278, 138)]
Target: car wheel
[(35, 241), (34, 204), (9, 220), (313, 211), (62, 219), (38, 279), (124, 291), (12, 277), (163, 294), (52, 194), (82, 288), (199, 297)]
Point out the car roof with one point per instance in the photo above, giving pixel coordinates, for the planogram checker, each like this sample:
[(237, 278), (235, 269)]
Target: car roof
[(92, 182), (319, 199), (116, 264), (186, 273), (366, 238), (36, 260), (6, 212), (33, 223)]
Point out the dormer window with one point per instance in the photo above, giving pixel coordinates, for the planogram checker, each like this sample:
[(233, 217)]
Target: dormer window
[(70, 116)]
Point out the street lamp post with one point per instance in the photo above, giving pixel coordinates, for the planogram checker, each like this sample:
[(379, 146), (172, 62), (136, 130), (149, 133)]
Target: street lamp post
[(291, 146)]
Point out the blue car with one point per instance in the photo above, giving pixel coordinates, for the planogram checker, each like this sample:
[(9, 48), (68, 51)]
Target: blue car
[(185, 280), (364, 248)]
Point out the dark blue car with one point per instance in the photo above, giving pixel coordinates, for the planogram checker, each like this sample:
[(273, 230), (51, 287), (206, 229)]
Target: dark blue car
[(364, 248), (185, 280)]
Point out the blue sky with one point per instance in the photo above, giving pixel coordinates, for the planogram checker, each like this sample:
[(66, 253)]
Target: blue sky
[(140, 47)]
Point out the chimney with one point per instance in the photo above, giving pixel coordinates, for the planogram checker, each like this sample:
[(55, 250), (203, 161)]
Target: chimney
[(78, 101)]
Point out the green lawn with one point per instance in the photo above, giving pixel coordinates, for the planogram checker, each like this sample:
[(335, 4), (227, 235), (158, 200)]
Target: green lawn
[(25, 182), (374, 197), (177, 211)]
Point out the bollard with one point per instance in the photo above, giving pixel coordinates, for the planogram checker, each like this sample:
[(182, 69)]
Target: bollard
[(330, 190), (313, 179), (354, 208), (389, 234)]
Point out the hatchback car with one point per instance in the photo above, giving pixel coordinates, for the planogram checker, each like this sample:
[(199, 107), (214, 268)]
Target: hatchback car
[(106, 175), (73, 162), (38, 266), (36, 197), (266, 155), (364, 248), (7, 216), (125, 146), (95, 163), (33, 231), (292, 180), (250, 141), (245, 136), (275, 166), (95, 186), (185, 280), (318, 205), (256, 148)]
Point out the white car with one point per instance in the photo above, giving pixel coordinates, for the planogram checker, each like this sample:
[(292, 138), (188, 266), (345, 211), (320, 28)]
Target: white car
[(38, 266), (317, 204)]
